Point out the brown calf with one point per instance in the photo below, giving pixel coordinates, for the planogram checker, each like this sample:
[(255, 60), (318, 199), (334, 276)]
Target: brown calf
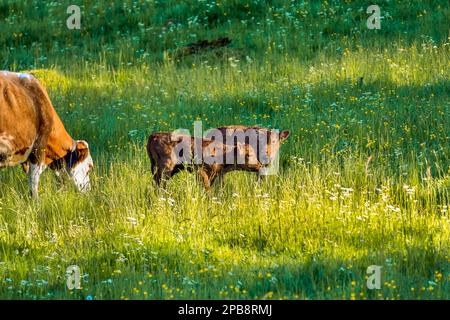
[(249, 135), (170, 153)]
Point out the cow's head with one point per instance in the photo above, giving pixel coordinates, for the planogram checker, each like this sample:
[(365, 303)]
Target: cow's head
[(79, 164)]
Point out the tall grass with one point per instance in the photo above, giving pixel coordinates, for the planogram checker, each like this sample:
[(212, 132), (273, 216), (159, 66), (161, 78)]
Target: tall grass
[(364, 177)]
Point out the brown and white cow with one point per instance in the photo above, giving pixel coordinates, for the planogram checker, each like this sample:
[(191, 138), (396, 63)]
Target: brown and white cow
[(32, 134)]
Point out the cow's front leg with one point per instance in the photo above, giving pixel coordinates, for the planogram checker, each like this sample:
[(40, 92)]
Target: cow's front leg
[(34, 174)]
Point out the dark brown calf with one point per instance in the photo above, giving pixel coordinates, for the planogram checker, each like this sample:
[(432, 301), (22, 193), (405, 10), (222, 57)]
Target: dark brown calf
[(167, 157)]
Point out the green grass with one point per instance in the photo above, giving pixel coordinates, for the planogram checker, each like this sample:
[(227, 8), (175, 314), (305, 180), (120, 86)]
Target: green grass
[(364, 177)]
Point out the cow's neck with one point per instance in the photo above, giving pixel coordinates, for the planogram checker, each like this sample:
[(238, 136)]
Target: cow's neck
[(59, 142)]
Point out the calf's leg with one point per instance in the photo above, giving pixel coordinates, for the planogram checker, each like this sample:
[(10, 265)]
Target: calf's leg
[(162, 175), (218, 177), (206, 179)]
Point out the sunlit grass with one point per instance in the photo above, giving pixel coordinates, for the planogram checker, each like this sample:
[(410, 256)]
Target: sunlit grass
[(364, 176)]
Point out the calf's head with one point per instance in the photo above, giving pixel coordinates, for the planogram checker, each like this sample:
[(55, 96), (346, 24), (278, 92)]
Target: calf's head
[(274, 140), (248, 154)]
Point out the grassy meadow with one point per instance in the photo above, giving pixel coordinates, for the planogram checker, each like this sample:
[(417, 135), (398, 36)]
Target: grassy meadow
[(364, 177)]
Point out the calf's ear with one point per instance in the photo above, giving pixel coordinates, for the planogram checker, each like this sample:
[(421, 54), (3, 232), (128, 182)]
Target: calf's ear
[(284, 135)]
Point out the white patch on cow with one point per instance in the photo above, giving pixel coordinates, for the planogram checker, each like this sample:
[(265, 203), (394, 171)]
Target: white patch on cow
[(5, 145), (25, 76), (20, 75), (34, 175), (7, 150), (80, 174), (6, 137)]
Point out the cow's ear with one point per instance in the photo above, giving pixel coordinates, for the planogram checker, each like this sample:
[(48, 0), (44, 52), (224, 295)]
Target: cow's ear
[(81, 145), (284, 135), (82, 150)]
